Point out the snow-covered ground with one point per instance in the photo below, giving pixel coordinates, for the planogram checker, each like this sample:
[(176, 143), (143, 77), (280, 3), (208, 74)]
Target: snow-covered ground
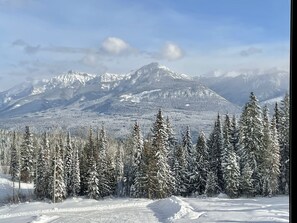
[(173, 209)]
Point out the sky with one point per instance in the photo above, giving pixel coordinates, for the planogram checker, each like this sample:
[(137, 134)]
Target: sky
[(40, 39)]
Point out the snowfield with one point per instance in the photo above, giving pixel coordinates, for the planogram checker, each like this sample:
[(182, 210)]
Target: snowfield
[(172, 209)]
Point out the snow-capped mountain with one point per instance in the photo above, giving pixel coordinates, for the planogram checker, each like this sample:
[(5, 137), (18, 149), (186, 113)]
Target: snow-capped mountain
[(236, 86), (150, 87), (78, 99)]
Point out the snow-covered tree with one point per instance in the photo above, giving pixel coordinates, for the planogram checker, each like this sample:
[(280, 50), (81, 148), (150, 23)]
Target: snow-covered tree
[(14, 159), (179, 171), (172, 142), (246, 181), (251, 139), (202, 165), (119, 170), (27, 149), (284, 142), (190, 155), (215, 148), (75, 174), (211, 187), (57, 185), (42, 174), (162, 181), (68, 164), (102, 163)]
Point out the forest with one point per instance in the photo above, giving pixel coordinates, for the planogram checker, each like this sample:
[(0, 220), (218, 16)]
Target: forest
[(245, 156)]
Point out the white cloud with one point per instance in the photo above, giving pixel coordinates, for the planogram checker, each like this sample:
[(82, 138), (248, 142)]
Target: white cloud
[(250, 51), (171, 51), (114, 45)]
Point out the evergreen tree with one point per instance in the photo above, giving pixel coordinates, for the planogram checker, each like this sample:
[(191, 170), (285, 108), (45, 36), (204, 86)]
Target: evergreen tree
[(190, 155), (201, 163), (172, 142), (179, 171), (215, 146), (234, 138), (138, 168), (119, 170), (68, 164), (230, 166), (273, 161), (211, 184), (14, 160), (27, 150), (284, 142), (246, 181), (251, 140), (14, 164), (57, 185), (161, 176), (75, 174), (41, 178), (102, 163)]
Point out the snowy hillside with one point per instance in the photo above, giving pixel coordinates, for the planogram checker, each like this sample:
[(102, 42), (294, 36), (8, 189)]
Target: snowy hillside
[(172, 209), (236, 86)]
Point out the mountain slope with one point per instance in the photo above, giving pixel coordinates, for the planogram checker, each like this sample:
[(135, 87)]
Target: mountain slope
[(150, 87), (236, 87)]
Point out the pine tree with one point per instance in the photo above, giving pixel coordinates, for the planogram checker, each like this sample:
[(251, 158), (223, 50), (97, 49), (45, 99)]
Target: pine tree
[(14, 164), (160, 174), (179, 171), (27, 150), (273, 161), (230, 166), (251, 140), (172, 142), (119, 170), (14, 160), (68, 164), (201, 163), (57, 185), (234, 139), (41, 178), (102, 163), (75, 174), (246, 181), (138, 168), (215, 146), (211, 184), (190, 155), (284, 142)]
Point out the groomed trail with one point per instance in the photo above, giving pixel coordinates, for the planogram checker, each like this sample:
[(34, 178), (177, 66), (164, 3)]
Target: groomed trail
[(118, 210)]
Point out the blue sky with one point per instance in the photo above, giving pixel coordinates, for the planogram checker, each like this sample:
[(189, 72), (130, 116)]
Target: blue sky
[(40, 39)]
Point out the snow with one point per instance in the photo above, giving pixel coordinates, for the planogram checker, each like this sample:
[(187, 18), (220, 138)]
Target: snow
[(172, 209)]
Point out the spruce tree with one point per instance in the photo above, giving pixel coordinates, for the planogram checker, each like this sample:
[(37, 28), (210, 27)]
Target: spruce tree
[(119, 170), (68, 164), (190, 155), (284, 142), (75, 174), (251, 140), (27, 150), (201, 164), (14, 159), (102, 163), (161, 175), (14, 164), (215, 146), (57, 185)]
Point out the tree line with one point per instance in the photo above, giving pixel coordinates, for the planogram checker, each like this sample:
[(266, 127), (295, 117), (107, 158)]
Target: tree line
[(245, 157)]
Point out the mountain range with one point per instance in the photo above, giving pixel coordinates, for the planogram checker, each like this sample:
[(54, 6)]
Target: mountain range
[(77, 98)]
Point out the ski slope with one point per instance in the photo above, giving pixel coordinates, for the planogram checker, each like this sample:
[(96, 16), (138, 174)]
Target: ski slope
[(172, 209)]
